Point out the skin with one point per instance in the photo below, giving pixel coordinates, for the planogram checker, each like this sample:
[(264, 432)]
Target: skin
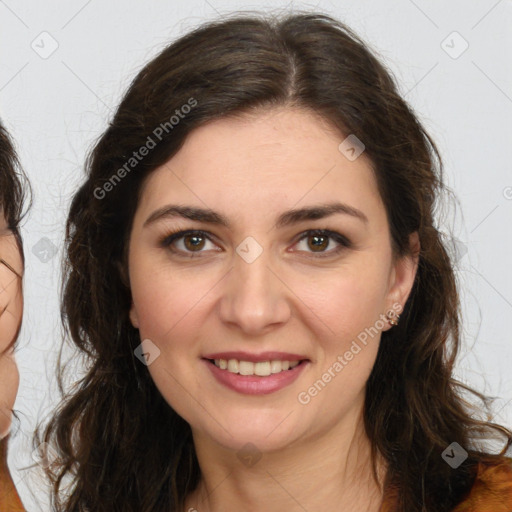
[(290, 299), (11, 311)]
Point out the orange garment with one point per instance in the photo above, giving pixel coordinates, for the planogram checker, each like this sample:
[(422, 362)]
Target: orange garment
[(491, 490), (9, 499)]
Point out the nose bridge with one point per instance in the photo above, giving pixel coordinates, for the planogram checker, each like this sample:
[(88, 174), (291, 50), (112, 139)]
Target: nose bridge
[(255, 298)]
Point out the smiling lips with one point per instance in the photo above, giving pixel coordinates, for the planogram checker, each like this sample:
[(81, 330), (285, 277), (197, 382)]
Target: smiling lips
[(261, 368), (255, 373)]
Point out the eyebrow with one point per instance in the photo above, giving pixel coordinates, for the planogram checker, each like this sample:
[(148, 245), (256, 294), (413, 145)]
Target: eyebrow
[(286, 218)]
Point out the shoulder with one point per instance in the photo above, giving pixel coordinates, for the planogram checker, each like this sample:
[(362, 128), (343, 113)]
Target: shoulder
[(9, 500), (491, 490)]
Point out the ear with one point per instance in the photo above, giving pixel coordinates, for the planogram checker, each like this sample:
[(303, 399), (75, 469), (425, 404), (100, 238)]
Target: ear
[(123, 275), (401, 278), (134, 317)]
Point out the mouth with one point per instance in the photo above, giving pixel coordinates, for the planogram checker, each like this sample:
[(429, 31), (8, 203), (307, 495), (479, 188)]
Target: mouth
[(256, 374), (256, 368)]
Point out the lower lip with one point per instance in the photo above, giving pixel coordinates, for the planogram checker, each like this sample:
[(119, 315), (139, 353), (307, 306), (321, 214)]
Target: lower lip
[(254, 385)]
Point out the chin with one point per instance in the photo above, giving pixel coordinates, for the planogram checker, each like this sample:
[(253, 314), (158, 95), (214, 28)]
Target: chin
[(264, 432)]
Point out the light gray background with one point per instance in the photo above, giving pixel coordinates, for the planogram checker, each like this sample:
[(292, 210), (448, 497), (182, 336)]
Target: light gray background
[(56, 106)]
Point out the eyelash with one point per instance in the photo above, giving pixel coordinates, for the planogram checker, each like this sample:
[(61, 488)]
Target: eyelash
[(344, 242)]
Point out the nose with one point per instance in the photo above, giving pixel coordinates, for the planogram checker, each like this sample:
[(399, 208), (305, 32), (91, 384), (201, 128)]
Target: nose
[(255, 297)]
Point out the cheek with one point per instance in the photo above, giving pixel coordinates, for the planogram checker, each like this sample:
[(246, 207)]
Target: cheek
[(344, 302), (11, 300), (169, 311), (346, 329), (164, 300), (165, 304), (346, 326)]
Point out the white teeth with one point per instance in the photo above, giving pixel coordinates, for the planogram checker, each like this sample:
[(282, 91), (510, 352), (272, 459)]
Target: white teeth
[(261, 368), (233, 366), (275, 366), (246, 368)]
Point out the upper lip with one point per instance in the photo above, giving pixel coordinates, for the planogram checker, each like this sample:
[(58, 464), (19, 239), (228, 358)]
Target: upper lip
[(255, 358)]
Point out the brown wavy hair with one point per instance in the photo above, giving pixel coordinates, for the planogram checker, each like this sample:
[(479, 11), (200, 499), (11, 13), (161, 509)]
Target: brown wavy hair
[(119, 445), (14, 186)]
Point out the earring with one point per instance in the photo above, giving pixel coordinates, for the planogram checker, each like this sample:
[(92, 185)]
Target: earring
[(392, 318)]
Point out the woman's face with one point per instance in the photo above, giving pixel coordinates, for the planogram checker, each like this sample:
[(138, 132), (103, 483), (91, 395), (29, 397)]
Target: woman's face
[(11, 310), (255, 289)]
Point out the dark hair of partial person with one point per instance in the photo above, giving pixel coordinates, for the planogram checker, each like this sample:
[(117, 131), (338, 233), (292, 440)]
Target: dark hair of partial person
[(118, 444), (14, 186)]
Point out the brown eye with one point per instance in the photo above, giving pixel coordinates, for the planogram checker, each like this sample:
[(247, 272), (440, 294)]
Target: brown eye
[(319, 239), (319, 242), (193, 242), (187, 243)]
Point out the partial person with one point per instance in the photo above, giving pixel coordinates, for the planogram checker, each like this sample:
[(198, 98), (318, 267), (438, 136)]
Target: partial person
[(12, 194)]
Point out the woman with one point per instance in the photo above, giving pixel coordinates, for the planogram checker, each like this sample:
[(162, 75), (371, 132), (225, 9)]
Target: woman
[(11, 305), (269, 317)]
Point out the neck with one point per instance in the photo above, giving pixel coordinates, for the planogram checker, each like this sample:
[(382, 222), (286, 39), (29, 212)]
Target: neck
[(326, 473)]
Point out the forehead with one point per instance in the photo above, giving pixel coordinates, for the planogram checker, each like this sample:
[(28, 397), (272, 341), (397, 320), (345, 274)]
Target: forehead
[(263, 162), (277, 136)]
